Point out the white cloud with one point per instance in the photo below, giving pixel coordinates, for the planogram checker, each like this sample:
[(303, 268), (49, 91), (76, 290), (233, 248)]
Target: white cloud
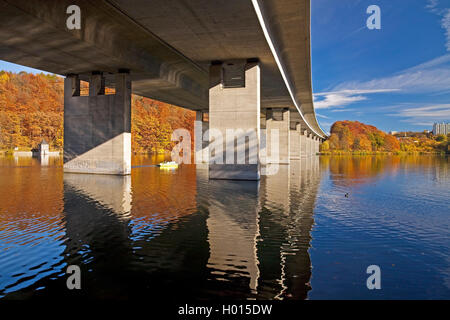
[(432, 76), (417, 80), (340, 99), (322, 116), (343, 110), (441, 111), (432, 4), (423, 124), (353, 92), (445, 24), (434, 7), (436, 62), (424, 115), (337, 100)]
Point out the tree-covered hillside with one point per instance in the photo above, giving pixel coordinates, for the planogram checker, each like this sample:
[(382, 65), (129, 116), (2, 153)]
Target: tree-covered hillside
[(353, 136)]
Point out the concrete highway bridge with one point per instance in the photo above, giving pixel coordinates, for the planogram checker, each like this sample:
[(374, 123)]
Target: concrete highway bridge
[(244, 63)]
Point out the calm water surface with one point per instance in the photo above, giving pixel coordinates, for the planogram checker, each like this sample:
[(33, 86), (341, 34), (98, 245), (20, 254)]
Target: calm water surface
[(176, 234)]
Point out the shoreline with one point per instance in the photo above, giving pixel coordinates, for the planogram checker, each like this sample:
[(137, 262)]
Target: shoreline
[(396, 153)]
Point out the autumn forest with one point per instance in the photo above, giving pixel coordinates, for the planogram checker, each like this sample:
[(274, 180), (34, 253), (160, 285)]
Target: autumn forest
[(356, 137)]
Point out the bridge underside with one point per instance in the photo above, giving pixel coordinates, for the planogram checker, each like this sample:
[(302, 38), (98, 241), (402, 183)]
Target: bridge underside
[(167, 51)]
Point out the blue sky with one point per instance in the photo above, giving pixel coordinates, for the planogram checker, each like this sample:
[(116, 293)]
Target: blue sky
[(17, 68), (396, 78)]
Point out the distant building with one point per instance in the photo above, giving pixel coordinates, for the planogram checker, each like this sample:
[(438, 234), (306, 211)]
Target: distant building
[(393, 132), (43, 148), (441, 128)]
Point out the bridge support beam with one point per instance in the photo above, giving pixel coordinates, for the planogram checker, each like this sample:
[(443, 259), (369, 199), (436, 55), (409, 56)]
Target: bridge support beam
[(295, 143), (234, 121), (97, 128), (278, 120)]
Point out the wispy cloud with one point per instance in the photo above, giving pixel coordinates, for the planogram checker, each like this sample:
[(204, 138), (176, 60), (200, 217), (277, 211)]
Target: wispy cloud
[(344, 110), (336, 100), (432, 76), (342, 98), (422, 124), (424, 115), (436, 62), (435, 7), (441, 111), (322, 116), (432, 4), (445, 24), (425, 78)]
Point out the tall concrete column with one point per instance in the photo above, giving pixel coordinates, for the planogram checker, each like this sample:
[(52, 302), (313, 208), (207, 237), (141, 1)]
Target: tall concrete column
[(278, 121), (234, 121), (201, 139), (294, 143), (308, 145), (311, 144), (97, 128), (304, 144), (317, 145)]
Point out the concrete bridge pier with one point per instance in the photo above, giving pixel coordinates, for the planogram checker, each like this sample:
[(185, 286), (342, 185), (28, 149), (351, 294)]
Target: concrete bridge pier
[(234, 120), (97, 128), (201, 140), (303, 144), (311, 144), (307, 143), (278, 120), (295, 142), (314, 142)]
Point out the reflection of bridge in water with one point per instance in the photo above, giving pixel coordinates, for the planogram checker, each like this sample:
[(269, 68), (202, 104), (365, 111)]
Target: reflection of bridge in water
[(259, 233), (184, 235)]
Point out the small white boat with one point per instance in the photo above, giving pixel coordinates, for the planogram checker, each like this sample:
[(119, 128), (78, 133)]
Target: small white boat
[(169, 165)]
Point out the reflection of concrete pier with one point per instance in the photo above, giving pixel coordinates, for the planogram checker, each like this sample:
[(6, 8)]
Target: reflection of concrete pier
[(276, 193), (96, 206), (96, 211), (113, 192), (233, 230), (287, 211), (260, 235)]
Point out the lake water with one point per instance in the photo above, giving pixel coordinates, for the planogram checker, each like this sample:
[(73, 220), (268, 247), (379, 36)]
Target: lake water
[(175, 234)]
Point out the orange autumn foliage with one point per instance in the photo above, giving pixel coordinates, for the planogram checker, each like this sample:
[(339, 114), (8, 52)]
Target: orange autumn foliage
[(357, 136)]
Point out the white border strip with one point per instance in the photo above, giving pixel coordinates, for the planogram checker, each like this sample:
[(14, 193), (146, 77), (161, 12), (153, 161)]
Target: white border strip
[(280, 67)]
